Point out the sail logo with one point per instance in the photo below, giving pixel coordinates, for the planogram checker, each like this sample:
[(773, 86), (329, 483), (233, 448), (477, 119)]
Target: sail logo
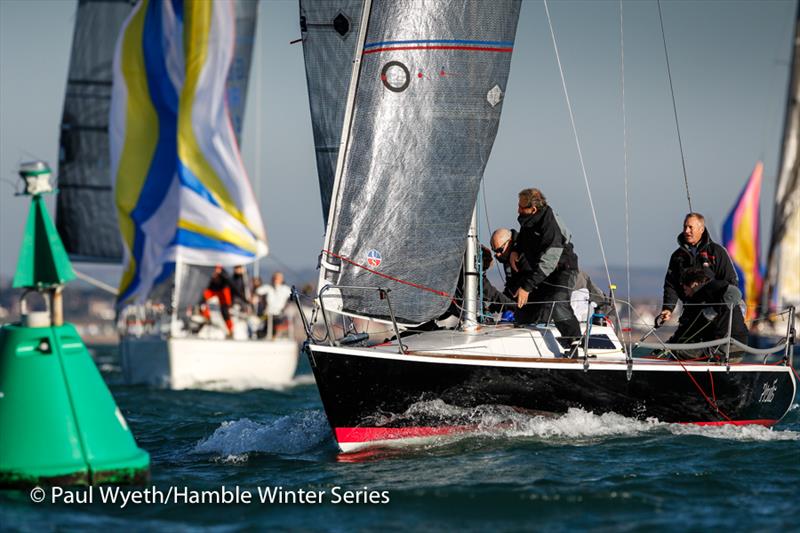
[(374, 258), (395, 76), (768, 394)]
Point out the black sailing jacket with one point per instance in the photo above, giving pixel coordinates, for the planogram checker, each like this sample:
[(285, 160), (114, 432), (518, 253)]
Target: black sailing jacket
[(709, 255), (546, 245)]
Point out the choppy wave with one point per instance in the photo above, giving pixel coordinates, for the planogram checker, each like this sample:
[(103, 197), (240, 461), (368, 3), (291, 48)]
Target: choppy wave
[(293, 434)]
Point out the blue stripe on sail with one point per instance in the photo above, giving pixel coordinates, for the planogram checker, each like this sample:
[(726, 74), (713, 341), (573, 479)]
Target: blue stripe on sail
[(184, 237), (441, 41), (166, 271), (177, 7), (165, 102), (191, 182)]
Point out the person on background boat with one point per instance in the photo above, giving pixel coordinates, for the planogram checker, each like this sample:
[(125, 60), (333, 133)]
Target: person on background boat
[(695, 250), (545, 243), (239, 287), (277, 296), (219, 286), (710, 305), (257, 300)]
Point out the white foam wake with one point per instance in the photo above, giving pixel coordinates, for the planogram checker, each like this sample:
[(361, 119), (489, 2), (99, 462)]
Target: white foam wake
[(293, 434), (577, 426)]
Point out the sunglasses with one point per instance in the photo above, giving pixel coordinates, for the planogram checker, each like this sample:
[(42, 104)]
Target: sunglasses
[(499, 250)]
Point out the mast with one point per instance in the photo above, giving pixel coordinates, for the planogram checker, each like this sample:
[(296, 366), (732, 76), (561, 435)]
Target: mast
[(470, 317), (788, 186)]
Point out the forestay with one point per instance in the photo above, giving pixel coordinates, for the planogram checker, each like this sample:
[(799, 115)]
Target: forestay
[(181, 189), (330, 33), (426, 109)]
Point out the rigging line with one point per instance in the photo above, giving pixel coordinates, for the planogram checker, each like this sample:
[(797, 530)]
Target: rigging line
[(95, 282), (625, 162), (489, 230), (259, 119), (674, 108), (577, 142)]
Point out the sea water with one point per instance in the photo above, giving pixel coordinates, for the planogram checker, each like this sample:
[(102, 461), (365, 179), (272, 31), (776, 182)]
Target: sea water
[(266, 460)]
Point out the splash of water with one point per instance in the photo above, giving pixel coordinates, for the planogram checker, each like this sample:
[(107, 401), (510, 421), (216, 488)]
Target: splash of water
[(292, 434), (577, 426)]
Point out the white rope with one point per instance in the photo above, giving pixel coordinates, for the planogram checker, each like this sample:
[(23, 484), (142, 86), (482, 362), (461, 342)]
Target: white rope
[(625, 161), (577, 143), (95, 282), (675, 109)]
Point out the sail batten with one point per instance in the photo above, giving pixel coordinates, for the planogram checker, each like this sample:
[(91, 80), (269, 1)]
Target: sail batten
[(426, 110)]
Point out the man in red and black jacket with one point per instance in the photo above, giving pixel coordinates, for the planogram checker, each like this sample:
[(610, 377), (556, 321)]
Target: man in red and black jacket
[(695, 250)]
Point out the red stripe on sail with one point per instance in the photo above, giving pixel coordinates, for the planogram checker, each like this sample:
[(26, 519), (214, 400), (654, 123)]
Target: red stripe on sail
[(444, 47)]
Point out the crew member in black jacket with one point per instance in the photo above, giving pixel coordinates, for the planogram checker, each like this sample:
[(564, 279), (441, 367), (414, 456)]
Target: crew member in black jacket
[(545, 243), (695, 250), (709, 306)]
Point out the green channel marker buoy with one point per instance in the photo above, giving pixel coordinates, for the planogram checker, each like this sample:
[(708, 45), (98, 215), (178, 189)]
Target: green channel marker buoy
[(59, 424)]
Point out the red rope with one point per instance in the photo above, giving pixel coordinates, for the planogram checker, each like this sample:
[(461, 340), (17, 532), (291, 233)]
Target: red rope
[(381, 274), (710, 402), (711, 379)]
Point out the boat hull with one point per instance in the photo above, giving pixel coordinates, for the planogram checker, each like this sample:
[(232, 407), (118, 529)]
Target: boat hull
[(360, 386), (208, 364)]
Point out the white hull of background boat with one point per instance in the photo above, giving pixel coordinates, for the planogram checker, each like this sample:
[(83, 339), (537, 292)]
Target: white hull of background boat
[(187, 363)]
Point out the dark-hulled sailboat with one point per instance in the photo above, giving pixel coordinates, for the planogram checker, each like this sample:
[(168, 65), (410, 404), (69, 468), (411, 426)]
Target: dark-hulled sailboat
[(422, 111)]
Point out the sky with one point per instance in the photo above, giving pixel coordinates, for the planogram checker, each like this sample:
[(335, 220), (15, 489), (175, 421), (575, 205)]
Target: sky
[(729, 63)]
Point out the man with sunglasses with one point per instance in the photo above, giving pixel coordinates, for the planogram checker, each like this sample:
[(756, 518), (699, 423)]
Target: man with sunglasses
[(552, 266)]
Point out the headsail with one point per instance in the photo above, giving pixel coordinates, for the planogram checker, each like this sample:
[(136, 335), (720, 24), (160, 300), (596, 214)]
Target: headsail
[(741, 237), (782, 287), (85, 214), (425, 113), (181, 189), (330, 32)]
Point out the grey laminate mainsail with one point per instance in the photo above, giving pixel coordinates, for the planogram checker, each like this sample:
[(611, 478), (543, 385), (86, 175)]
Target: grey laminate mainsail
[(330, 31), (425, 114)]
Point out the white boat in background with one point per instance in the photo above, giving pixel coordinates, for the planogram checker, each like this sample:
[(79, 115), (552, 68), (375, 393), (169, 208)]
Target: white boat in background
[(193, 363), (150, 150)]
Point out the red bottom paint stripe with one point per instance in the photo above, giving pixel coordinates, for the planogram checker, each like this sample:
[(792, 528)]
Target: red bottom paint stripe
[(371, 434), (761, 422), (368, 434)]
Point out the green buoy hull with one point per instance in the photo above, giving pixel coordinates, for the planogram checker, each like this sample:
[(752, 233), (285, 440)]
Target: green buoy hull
[(59, 423)]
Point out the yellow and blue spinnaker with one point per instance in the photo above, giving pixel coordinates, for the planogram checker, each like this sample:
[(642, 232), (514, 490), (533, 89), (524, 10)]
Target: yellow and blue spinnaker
[(182, 192)]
